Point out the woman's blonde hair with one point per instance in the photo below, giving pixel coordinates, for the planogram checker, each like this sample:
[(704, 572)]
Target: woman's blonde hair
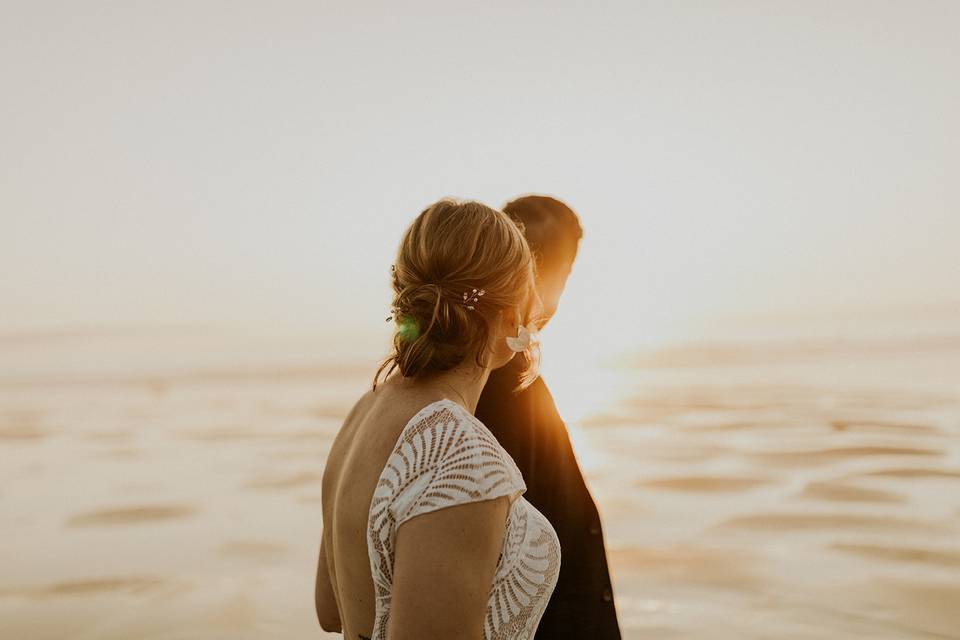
[(455, 249)]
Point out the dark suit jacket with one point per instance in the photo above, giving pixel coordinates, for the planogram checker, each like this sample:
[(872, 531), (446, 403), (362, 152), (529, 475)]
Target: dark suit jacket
[(529, 427)]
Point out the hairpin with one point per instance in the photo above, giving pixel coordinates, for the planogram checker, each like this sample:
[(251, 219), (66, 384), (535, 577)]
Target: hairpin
[(393, 314), (472, 297)]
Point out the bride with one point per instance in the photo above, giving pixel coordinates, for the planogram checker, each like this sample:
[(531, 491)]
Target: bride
[(426, 534)]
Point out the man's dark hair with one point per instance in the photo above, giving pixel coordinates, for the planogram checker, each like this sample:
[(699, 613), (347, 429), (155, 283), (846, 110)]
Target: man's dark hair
[(552, 229)]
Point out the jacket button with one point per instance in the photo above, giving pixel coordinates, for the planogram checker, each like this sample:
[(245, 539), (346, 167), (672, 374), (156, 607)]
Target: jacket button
[(607, 595), (595, 530)]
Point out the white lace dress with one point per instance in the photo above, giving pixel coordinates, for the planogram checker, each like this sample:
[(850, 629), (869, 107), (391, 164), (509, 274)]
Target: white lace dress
[(445, 457)]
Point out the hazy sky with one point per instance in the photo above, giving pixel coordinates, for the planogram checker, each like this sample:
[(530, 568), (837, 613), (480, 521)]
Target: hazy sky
[(255, 163)]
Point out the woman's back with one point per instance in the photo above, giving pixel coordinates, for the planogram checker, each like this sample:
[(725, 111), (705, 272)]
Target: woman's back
[(356, 459), (487, 542)]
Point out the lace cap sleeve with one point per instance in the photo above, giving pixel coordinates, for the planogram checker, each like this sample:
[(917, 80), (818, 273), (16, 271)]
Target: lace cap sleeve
[(446, 457)]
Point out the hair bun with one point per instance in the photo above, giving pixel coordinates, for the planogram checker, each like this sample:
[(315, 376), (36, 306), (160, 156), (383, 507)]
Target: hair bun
[(447, 253)]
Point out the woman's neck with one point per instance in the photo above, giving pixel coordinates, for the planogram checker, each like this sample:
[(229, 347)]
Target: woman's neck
[(462, 384), (465, 382)]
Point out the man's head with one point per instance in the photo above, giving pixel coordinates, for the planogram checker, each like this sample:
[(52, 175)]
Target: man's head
[(553, 232)]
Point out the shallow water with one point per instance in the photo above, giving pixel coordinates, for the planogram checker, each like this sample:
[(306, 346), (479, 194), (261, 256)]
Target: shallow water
[(747, 493)]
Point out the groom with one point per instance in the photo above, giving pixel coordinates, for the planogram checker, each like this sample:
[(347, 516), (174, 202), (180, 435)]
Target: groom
[(528, 426)]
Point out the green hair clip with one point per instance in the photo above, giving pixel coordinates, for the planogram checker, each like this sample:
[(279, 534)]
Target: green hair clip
[(407, 327)]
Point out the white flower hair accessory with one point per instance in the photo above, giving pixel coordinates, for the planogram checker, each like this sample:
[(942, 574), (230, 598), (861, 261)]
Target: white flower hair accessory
[(527, 336)]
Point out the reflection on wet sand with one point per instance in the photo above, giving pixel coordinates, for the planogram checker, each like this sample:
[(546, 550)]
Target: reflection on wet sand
[(912, 472), (253, 549), (704, 483), (785, 501), (288, 481), (132, 584), (834, 522), (804, 500), (684, 564), (131, 515), (819, 456), (884, 427), (21, 432), (839, 492), (938, 558)]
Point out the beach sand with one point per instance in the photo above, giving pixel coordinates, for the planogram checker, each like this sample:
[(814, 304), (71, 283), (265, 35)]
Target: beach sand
[(802, 492)]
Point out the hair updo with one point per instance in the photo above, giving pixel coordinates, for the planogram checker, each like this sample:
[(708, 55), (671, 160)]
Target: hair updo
[(453, 248)]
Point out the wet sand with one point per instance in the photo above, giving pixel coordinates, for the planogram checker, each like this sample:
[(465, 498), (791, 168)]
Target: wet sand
[(808, 494)]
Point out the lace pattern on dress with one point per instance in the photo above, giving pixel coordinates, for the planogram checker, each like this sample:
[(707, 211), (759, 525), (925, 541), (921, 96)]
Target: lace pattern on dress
[(445, 457)]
